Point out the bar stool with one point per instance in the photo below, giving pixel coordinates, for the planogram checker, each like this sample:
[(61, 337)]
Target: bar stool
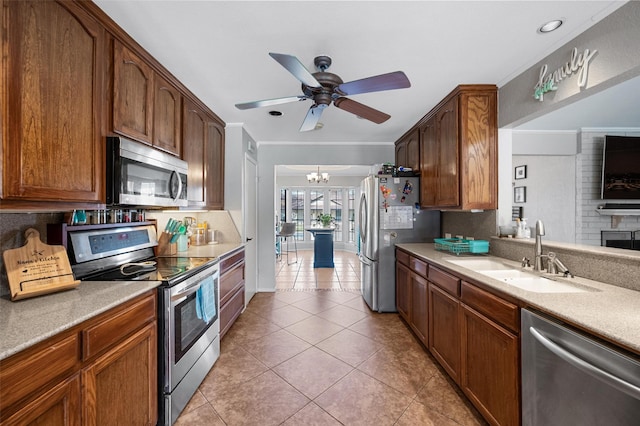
[(288, 230)]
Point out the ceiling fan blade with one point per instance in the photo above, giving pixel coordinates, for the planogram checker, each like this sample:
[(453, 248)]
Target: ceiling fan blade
[(361, 110), (312, 118), (295, 67), (390, 81), (268, 102)]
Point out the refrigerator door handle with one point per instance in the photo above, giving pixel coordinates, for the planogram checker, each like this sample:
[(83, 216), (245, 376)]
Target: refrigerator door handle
[(363, 218), (365, 260)]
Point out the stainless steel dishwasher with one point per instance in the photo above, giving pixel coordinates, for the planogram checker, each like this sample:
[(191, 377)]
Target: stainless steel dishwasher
[(570, 379)]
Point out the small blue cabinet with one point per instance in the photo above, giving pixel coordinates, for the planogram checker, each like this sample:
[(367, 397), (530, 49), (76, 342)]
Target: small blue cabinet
[(322, 247)]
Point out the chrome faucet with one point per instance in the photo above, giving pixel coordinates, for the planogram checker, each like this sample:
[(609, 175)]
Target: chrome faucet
[(537, 261)]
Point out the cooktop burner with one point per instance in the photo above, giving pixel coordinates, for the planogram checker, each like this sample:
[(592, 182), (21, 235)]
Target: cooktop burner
[(165, 269)]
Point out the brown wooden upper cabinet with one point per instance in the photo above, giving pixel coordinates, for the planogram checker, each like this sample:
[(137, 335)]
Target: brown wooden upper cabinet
[(203, 149), (458, 151), (52, 81), (145, 106), (408, 150)]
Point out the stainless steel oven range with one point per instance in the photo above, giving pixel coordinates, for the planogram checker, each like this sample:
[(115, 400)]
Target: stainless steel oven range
[(188, 301)]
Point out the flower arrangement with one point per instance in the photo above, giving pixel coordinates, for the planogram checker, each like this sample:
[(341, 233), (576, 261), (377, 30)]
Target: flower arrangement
[(325, 219)]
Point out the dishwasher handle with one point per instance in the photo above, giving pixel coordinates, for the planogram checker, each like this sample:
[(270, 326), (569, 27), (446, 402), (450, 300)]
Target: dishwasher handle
[(608, 378)]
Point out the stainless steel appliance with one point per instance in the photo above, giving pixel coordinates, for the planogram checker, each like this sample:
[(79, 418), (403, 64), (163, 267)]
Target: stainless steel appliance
[(571, 379), (389, 213), (139, 175), (188, 326)]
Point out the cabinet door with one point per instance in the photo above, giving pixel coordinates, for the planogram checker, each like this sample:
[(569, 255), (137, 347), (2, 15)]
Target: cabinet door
[(132, 95), (444, 330), (429, 160), (490, 372), (419, 316), (403, 294), (59, 406), (167, 117), (52, 111), (478, 148), (214, 166), (413, 150), (193, 151), (401, 153), (448, 183), (120, 387)]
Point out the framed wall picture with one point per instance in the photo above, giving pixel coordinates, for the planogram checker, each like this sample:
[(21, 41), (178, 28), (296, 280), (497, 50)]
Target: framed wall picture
[(521, 172), (520, 194)]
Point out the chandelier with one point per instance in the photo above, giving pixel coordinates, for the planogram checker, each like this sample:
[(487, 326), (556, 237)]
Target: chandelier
[(318, 177)]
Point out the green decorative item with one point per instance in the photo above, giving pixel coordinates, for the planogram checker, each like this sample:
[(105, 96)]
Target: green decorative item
[(325, 219)]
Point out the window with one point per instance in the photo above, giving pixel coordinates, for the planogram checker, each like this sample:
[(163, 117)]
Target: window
[(316, 205), (335, 210), (351, 202), (297, 212), (303, 205)]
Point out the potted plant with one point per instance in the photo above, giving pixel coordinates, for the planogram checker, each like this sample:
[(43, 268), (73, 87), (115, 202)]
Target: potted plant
[(325, 219)]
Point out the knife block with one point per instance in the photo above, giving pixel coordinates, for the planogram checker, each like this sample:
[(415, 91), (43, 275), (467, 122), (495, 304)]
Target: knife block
[(165, 247)]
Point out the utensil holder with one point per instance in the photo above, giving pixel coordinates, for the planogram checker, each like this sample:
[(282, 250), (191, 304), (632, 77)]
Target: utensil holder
[(165, 247)]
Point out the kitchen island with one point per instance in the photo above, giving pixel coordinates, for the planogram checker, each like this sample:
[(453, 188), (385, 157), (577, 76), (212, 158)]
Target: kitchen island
[(322, 247)]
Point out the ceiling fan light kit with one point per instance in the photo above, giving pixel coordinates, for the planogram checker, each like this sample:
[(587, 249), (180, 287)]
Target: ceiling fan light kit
[(324, 88)]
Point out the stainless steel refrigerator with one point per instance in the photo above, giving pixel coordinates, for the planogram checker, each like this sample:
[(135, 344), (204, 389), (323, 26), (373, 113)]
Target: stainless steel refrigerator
[(389, 214)]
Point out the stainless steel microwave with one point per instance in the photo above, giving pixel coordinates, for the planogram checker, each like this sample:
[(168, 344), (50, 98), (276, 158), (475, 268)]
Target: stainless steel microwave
[(139, 175)]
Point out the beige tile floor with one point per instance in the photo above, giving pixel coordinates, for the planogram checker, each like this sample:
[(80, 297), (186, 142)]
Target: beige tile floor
[(302, 274), (319, 356)]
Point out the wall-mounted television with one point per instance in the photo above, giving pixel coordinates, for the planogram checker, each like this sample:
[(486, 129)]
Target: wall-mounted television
[(621, 168)]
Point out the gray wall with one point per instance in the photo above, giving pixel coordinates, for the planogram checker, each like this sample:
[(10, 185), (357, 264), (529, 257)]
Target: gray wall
[(617, 60)]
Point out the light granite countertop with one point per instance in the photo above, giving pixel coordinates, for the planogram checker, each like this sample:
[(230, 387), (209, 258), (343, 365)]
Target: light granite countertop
[(26, 322), (608, 311), (29, 321)]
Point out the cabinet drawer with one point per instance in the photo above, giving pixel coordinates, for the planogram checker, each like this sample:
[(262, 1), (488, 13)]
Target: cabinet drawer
[(231, 311), (445, 281), (402, 257), (53, 359), (418, 266), (230, 282), (492, 306), (116, 324), (228, 263)]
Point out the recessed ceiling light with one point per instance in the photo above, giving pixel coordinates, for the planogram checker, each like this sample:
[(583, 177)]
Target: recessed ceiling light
[(550, 26), (275, 113)]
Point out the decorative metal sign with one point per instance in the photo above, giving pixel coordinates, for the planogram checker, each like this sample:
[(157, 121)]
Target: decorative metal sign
[(577, 64)]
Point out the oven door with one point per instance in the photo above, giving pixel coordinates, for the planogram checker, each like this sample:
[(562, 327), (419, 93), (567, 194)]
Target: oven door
[(192, 323)]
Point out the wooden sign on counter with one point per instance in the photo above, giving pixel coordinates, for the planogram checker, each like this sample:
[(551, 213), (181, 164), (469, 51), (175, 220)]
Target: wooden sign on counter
[(37, 268)]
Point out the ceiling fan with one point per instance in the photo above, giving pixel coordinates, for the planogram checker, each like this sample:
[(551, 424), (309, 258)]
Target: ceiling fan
[(324, 87)]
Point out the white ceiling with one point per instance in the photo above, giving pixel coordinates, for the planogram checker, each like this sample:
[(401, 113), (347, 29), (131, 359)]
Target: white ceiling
[(219, 49)]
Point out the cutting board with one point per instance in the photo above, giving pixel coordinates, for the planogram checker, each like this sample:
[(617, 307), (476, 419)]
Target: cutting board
[(37, 268)]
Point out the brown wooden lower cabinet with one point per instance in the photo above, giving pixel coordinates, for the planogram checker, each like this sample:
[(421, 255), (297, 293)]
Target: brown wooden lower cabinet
[(231, 290), (119, 386), (444, 330), (60, 382), (471, 332), (490, 368), (403, 286), (59, 405), (418, 315)]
